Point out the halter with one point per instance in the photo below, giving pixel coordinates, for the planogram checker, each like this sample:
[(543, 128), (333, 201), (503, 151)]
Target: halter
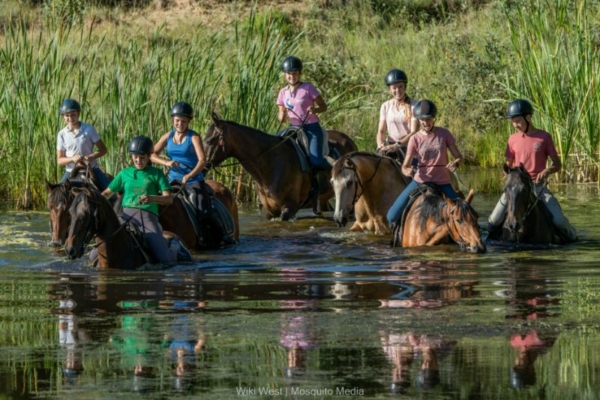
[(357, 181)]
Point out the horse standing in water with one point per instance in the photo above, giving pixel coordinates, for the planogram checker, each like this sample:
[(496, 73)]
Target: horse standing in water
[(272, 161), (172, 218), (432, 219), (92, 216), (371, 183), (527, 219)]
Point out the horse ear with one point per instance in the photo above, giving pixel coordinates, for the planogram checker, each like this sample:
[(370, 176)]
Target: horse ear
[(50, 186), (215, 117), (347, 162), (470, 196), (67, 184), (506, 168), (522, 168)]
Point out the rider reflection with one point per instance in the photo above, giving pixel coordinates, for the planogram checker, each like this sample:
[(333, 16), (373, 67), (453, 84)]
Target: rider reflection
[(297, 335), (530, 347)]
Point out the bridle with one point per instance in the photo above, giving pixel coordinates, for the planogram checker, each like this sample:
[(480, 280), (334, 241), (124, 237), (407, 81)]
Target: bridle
[(451, 224), (357, 181)]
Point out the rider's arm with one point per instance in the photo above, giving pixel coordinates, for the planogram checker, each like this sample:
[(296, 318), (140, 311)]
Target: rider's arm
[(107, 193), (165, 198), (321, 106), (282, 114), (554, 166), (381, 132), (458, 158), (98, 154), (199, 148), (158, 148), (62, 159)]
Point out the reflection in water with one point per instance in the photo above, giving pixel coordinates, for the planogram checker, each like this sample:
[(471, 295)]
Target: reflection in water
[(306, 305), (530, 347)]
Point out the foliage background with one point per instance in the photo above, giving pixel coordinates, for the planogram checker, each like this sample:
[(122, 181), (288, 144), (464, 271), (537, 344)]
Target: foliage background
[(128, 62)]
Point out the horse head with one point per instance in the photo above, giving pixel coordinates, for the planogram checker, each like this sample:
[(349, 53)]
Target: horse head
[(519, 192), (85, 220), (214, 143), (463, 226), (344, 182), (59, 200)]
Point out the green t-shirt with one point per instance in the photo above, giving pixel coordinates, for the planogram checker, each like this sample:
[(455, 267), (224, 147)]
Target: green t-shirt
[(136, 182)]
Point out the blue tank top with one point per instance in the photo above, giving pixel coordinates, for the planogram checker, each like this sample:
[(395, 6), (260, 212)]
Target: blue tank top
[(185, 155)]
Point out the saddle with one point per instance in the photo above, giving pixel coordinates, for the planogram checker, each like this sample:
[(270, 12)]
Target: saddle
[(298, 138), (217, 214), (140, 241), (423, 189)]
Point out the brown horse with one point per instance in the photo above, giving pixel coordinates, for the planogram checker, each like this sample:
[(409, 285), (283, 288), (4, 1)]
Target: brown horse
[(527, 219), (172, 218), (92, 216), (432, 219), (272, 162), (371, 183), (60, 197)]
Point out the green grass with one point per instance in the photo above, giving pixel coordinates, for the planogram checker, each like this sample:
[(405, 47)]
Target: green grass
[(470, 57)]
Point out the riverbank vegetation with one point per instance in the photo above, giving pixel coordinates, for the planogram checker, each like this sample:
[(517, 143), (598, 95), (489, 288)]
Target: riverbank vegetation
[(128, 62)]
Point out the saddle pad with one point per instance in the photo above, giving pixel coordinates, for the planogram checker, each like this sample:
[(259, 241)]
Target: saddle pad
[(224, 216), (300, 143)]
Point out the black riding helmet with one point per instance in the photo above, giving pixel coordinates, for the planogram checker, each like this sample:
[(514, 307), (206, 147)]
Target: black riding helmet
[(141, 145), (68, 105), (519, 107), (182, 108), (290, 64), (425, 109), (395, 76)]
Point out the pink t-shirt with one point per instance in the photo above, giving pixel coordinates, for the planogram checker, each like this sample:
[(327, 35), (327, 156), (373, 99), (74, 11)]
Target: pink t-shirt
[(298, 103), (532, 150), (432, 150), (394, 116)]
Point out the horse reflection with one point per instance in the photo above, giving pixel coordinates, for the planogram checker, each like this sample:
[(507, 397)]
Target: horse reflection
[(370, 183), (273, 163), (432, 219)]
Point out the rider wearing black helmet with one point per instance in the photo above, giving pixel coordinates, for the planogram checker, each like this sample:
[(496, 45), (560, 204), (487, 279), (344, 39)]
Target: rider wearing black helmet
[(186, 163), (396, 119), (300, 102), (531, 147), (431, 144), (76, 142), (144, 187)]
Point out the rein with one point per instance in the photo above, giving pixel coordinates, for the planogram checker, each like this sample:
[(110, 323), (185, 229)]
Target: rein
[(357, 180)]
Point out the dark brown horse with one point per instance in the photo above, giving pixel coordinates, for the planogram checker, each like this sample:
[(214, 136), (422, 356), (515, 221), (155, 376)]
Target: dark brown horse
[(172, 218), (92, 216), (527, 220), (432, 219), (370, 183), (60, 197), (272, 162)]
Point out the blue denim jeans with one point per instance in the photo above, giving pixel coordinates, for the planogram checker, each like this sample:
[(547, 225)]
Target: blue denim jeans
[(316, 142), (395, 212)]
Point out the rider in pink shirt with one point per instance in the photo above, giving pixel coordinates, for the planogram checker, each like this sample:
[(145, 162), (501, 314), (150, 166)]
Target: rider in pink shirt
[(431, 144), (531, 147)]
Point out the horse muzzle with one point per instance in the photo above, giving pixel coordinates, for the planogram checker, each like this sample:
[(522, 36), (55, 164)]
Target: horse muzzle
[(341, 220), (74, 252)]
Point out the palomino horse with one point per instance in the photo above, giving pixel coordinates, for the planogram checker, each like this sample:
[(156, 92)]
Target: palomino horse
[(432, 219), (272, 162), (172, 218), (371, 183), (92, 216), (527, 220)]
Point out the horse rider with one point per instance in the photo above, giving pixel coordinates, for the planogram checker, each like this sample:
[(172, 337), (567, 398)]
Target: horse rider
[(75, 144), (144, 188), (300, 102), (431, 144), (531, 147), (186, 162), (396, 117)]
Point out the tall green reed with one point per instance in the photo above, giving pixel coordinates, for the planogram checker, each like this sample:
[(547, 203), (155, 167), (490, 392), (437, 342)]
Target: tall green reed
[(558, 67)]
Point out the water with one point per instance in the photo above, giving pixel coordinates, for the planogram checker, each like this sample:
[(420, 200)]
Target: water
[(306, 310)]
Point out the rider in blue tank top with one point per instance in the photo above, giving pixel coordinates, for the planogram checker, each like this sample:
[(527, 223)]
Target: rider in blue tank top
[(186, 162)]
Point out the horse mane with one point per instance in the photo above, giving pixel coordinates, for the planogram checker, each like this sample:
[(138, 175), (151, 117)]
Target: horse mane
[(242, 127), (60, 192), (431, 206)]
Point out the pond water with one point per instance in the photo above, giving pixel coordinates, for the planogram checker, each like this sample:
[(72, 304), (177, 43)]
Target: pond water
[(306, 310)]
